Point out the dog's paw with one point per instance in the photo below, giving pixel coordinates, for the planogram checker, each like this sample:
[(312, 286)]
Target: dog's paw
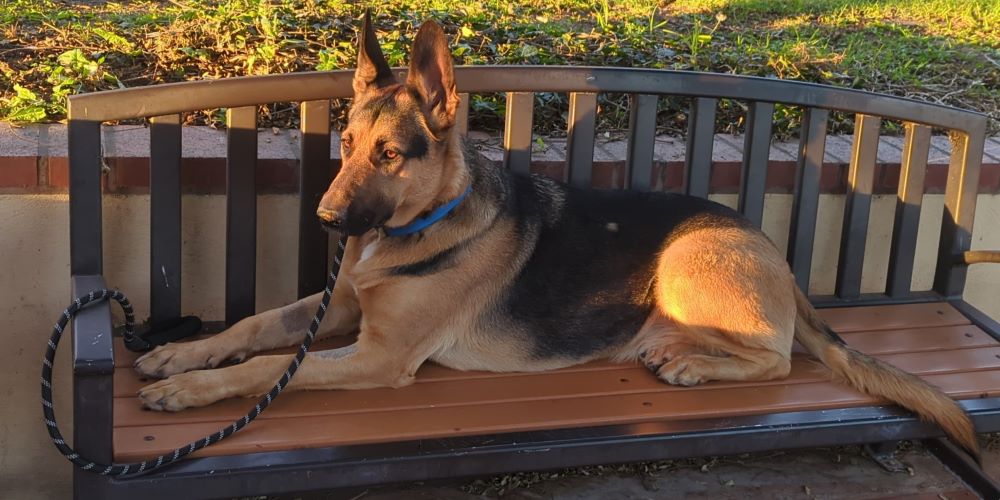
[(655, 358), (185, 390), (174, 358), (683, 370)]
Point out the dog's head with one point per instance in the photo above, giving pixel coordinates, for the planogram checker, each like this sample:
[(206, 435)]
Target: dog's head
[(395, 147)]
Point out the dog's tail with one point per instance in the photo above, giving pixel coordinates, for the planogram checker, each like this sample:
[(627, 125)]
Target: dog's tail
[(879, 379)]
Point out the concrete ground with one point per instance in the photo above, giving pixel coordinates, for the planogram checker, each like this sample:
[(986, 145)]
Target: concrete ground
[(826, 473)]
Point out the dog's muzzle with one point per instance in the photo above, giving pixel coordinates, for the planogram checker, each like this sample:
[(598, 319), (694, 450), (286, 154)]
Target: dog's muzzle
[(354, 224), (329, 219)]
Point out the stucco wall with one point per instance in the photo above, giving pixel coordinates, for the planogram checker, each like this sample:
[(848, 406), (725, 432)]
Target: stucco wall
[(34, 274)]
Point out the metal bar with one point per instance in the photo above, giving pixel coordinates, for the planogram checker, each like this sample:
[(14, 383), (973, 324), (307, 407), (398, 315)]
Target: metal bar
[(959, 462), (85, 197), (873, 299), (93, 352), (700, 140), (92, 431), (93, 368), (857, 207), (296, 87), (641, 141), (756, 151), (368, 465), (165, 217), (582, 124), (959, 211), (812, 147), (909, 196), (462, 115), (241, 213), (517, 132), (314, 178)]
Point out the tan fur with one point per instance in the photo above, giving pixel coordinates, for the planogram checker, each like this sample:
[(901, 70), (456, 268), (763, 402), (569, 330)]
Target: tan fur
[(727, 307), (718, 317)]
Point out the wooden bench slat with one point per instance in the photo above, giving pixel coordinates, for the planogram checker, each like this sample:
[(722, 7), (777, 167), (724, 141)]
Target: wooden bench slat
[(273, 434), (918, 339), (241, 213), (805, 204), (164, 217), (700, 140), (624, 379), (756, 150), (517, 132), (857, 207), (582, 124), (641, 141), (892, 317), (314, 178)]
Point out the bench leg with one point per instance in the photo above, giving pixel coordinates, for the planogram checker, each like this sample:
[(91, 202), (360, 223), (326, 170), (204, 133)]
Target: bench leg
[(884, 454), (960, 464), (92, 432)]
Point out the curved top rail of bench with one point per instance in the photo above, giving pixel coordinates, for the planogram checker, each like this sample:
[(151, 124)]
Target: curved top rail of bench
[(171, 98)]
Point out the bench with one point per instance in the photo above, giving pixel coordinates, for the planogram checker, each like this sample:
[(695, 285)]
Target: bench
[(458, 424)]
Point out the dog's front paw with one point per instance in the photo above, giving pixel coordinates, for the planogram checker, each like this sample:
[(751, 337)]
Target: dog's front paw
[(171, 359), (185, 390)]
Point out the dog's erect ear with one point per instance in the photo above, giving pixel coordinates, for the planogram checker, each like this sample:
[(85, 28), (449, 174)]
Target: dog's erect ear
[(373, 71), (432, 75)]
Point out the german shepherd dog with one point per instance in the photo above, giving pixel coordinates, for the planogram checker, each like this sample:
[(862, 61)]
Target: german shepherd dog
[(524, 274)]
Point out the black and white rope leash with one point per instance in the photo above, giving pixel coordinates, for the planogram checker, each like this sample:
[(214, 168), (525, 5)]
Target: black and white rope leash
[(131, 469)]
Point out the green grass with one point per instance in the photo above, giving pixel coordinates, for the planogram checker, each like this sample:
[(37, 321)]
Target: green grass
[(944, 51)]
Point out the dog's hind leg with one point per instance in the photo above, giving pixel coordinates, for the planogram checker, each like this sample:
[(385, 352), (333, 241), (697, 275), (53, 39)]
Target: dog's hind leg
[(727, 294)]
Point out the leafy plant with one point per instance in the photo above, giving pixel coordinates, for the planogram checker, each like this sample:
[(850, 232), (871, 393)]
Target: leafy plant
[(24, 106), (939, 50)]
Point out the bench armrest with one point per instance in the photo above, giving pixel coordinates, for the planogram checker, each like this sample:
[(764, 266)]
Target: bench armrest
[(981, 257), (93, 342)]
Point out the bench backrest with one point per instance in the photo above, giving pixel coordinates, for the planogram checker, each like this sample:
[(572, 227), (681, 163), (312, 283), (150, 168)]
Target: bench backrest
[(163, 104)]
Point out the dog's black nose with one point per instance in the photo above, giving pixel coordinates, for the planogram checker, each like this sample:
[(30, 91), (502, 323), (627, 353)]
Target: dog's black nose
[(329, 218)]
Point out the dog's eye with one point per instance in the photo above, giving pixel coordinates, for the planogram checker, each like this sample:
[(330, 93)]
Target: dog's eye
[(346, 143), (390, 154)]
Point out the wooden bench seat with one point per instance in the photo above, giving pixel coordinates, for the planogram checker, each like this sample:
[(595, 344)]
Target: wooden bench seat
[(933, 340)]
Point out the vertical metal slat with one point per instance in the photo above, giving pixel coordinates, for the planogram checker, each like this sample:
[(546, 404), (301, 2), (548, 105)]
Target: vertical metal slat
[(314, 178), (462, 115), (756, 150), (812, 147), (960, 209), (582, 123), (517, 132), (85, 197), (860, 181), (641, 141), (910, 194), (165, 217), (700, 140), (241, 213)]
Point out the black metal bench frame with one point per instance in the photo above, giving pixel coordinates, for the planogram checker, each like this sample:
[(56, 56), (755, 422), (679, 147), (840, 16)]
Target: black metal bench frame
[(363, 465)]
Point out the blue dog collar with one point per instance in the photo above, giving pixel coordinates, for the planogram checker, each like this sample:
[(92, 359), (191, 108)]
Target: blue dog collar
[(419, 224)]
